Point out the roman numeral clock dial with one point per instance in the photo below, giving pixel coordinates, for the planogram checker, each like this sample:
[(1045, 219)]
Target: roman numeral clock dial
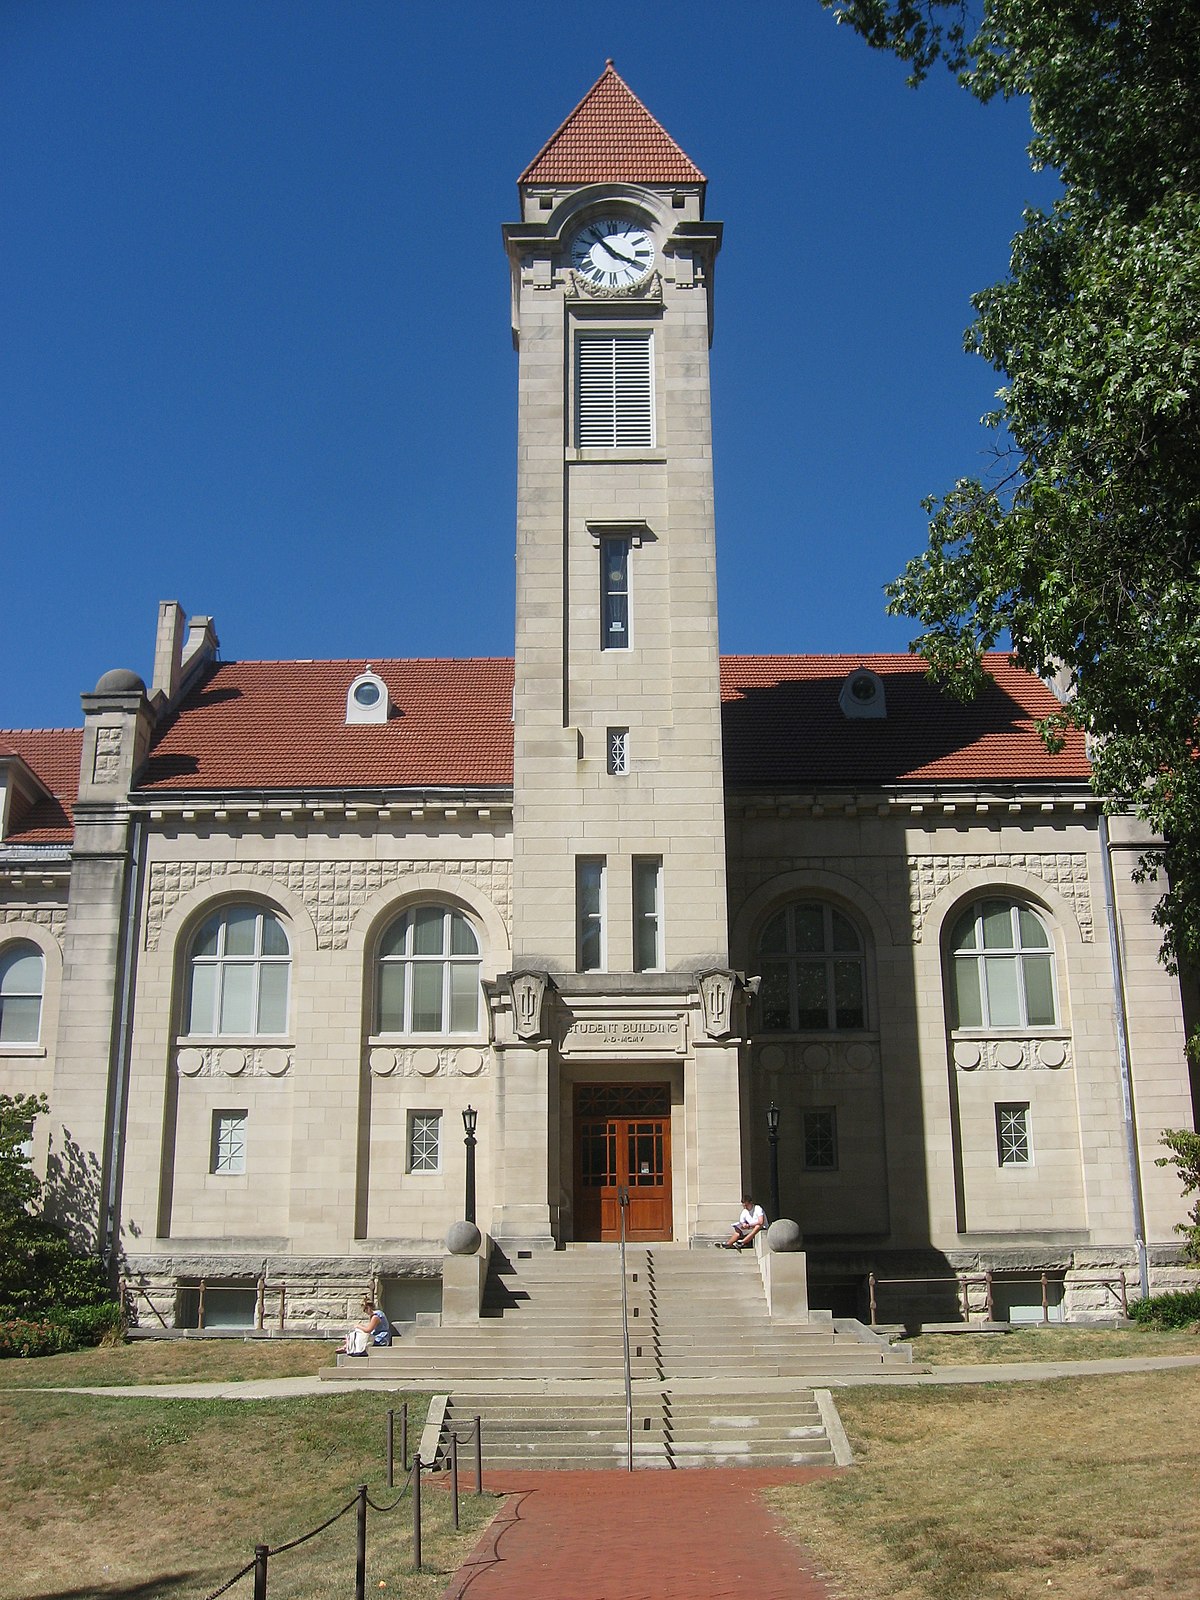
[(610, 253)]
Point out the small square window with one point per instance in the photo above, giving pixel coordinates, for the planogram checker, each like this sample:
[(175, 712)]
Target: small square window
[(618, 751), (425, 1141), (820, 1140), (228, 1143), (1012, 1135)]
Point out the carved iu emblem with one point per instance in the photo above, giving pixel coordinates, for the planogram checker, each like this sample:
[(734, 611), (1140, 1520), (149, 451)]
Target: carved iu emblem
[(528, 998), (716, 998)]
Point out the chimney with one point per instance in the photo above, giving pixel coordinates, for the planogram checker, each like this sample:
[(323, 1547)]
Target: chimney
[(168, 651), (200, 647)]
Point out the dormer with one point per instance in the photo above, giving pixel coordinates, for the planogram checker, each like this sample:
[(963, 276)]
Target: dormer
[(367, 700), (20, 791), (862, 696)]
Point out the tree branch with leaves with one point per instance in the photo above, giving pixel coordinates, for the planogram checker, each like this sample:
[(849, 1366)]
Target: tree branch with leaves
[(1083, 547)]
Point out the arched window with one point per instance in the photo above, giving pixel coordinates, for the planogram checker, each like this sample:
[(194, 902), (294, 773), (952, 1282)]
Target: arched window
[(238, 973), (22, 972), (811, 960), (428, 973), (1003, 968)]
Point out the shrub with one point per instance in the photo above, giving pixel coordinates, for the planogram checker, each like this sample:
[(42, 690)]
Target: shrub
[(21, 1336), (59, 1331), (1178, 1309)]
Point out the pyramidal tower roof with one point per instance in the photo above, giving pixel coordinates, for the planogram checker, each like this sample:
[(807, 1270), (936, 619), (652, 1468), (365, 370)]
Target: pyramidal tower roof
[(610, 137)]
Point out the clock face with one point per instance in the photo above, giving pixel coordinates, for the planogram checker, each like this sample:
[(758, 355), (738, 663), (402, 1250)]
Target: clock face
[(612, 253)]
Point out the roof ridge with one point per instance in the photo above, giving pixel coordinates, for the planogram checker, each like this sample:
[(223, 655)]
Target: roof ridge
[(582, 166)]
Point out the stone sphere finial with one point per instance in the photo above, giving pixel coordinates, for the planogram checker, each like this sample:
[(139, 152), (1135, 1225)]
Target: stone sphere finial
[(463, 1239), (783, 1236), (120, 680)]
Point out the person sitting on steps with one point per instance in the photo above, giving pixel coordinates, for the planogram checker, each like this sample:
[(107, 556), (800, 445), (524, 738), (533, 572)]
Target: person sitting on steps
[(752, 1220), (373, 1329)]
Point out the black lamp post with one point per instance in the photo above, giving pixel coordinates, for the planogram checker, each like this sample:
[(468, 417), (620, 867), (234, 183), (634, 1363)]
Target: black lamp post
[(470, 1116), (773, 1147)]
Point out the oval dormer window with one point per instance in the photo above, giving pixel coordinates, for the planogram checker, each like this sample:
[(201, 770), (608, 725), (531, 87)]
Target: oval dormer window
[(862, 695), (367, 699)]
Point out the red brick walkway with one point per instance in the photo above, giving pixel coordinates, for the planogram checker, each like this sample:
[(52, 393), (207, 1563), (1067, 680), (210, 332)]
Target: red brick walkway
[(699, 1535)]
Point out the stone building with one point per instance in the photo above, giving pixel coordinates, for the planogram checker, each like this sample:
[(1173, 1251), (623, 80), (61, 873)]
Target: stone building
[(268, 928)]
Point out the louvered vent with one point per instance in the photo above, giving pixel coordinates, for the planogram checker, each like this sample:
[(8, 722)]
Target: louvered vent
[(614, 390)]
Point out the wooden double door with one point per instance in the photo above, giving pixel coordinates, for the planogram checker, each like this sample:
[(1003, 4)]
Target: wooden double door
[(623, 1141)]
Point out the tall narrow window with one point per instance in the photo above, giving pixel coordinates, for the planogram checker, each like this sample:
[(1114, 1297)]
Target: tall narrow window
[(614, 593), (1003, 968), (429, 973), (425, 1141), (1012, 1135), (614, 391), (647, 914), (239, 969), (228, 1142), (618, 751), (22, 972), (589, 912)]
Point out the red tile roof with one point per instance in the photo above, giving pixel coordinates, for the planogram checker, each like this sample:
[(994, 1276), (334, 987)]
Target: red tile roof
[(782, 726), (610, 137), (281, 725), (52, 755)]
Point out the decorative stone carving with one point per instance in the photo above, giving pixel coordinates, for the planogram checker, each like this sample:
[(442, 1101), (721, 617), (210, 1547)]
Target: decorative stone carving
[(426, 1061), (333, 892), (855, 1057), (1011, 1055), (917, 882), (233, 1061), (106, 763), (1067, 873), (717, 991), (52, 917), (529, 990)]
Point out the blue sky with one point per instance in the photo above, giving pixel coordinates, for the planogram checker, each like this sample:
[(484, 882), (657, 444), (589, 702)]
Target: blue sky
[(257, 352)]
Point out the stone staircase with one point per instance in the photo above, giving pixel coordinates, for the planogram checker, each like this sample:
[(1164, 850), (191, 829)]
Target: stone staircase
[(715, 1382), (670, 1429)]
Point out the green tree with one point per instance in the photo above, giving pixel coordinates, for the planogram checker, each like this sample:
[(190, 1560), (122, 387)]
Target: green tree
[(41, 1275), (20, 1190), (1082, 545), (1185, 1158)]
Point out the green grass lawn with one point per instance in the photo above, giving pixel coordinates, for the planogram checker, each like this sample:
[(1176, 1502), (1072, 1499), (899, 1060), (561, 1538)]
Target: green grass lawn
[(1049, 1344), (1077, 1488), (170, 1361), (166, 1499)]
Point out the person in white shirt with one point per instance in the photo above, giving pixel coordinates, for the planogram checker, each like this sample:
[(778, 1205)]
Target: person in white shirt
[(752, 1220)]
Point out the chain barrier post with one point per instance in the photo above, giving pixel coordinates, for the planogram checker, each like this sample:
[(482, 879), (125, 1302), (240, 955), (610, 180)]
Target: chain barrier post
[(260, 1572), (416, 1482), (454, 1475), (478, 1456), (404, 1437), (391, 1449), (360, 1548)]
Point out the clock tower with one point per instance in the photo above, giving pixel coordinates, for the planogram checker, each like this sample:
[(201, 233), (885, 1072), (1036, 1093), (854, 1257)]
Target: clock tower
[(620, 1059)]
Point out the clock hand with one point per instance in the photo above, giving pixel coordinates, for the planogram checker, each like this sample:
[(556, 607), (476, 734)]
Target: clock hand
[(620, 254)]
